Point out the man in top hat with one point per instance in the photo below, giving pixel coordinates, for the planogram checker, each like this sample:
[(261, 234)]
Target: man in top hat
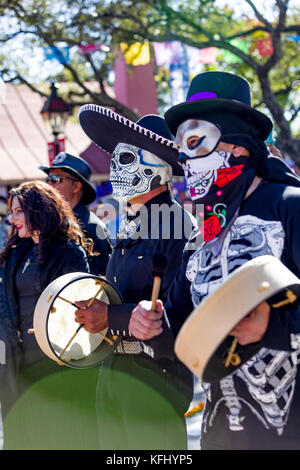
[(71, 175), (143, 391), (251, 208)]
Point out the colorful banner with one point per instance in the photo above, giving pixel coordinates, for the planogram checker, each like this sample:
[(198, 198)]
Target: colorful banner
[(208, 55), (179, 78), (84, 49), (167, 53), (293, 38), (231, 58), (61, 54), (137, 54), (264, 46)]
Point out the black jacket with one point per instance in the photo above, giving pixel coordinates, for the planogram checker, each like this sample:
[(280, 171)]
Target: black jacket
[(95, 229), (63, 258), (130, 270), (258, 406)]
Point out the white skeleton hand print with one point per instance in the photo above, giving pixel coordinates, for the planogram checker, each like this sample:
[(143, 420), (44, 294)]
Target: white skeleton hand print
[(269, 376), (247, 238)]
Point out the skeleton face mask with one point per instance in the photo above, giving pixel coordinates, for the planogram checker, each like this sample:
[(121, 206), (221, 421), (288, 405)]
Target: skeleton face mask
[(134, 171), (197, 141)]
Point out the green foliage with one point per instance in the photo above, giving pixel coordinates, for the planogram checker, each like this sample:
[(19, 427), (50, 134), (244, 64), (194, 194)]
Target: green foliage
[(28, 25)]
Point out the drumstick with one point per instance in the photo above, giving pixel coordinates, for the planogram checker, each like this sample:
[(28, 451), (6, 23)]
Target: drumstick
[(70, 340), (97, 293), (159, 262), (68, 301)]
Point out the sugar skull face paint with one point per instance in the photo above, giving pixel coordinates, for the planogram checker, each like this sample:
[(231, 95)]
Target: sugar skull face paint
[(201, 173), (134, 171)]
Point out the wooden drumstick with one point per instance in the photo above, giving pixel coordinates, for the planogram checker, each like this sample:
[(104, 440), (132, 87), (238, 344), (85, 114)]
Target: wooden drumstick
[(70, 340), (159, 263), (66, 300), (97, 293)]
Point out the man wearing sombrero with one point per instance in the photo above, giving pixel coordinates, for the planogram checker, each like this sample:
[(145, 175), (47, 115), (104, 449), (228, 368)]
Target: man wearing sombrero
[(251, 204), (143, 391)]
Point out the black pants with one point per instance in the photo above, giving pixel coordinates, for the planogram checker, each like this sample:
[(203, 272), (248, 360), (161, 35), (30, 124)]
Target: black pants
[(139, 405)]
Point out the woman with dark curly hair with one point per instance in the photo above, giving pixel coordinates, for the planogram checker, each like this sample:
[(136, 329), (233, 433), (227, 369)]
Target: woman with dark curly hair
[(45, 242)]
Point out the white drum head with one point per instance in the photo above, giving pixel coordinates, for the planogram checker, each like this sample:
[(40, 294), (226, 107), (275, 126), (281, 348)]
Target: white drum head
[(57, 333)]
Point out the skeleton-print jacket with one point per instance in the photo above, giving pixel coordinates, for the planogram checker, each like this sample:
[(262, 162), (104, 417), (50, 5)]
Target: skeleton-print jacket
[(258, 406), (130, 270)]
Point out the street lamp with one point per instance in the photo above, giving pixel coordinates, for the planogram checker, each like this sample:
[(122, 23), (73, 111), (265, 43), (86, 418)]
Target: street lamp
[(55, 113)]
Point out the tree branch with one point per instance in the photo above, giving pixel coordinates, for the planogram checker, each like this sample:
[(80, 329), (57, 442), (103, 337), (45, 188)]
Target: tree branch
[(25, 82), (258, 15)]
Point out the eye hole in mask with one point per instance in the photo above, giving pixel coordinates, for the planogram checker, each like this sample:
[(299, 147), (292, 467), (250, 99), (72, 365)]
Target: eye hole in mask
[(194, 141), (196, 138), (126, 158)]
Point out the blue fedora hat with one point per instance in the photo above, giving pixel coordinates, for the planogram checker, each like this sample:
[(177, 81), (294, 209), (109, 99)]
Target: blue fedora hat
[(78, 168)]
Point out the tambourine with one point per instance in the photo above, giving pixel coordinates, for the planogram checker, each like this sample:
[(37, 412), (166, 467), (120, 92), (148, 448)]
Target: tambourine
[(54, 326), (203, 344)]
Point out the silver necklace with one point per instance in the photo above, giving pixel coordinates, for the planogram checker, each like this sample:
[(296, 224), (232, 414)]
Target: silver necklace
[(27, 263)]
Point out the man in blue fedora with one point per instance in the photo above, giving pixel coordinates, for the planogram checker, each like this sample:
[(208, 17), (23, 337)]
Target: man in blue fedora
[(71, 175), (251, 206), (143, 390)]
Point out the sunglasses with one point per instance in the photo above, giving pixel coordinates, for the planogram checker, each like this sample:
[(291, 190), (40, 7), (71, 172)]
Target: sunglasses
[(56, 179)]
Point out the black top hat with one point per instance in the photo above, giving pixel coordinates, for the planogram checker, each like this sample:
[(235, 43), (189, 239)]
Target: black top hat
[(107, 129), (78, 168), (218, 91)]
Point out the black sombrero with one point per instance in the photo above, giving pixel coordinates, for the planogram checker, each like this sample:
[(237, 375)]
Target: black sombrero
[(78, 168), (218, 91), (107, 129)]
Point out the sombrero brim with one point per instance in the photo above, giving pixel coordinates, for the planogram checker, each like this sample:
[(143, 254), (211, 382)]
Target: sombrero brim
[(191, 109), (89, 192), (107, 129)]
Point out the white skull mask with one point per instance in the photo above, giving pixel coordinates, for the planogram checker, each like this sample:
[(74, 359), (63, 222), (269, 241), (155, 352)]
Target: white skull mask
[(134, 171)]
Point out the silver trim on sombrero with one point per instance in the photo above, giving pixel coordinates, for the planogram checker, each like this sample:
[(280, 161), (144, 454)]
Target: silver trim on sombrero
[(125, 121)]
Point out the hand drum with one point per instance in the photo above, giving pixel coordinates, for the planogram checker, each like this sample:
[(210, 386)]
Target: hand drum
[(54, 326), (203, 344)]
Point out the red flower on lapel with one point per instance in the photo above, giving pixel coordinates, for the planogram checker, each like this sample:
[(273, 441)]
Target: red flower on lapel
[(212, 228), (225, 175)]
